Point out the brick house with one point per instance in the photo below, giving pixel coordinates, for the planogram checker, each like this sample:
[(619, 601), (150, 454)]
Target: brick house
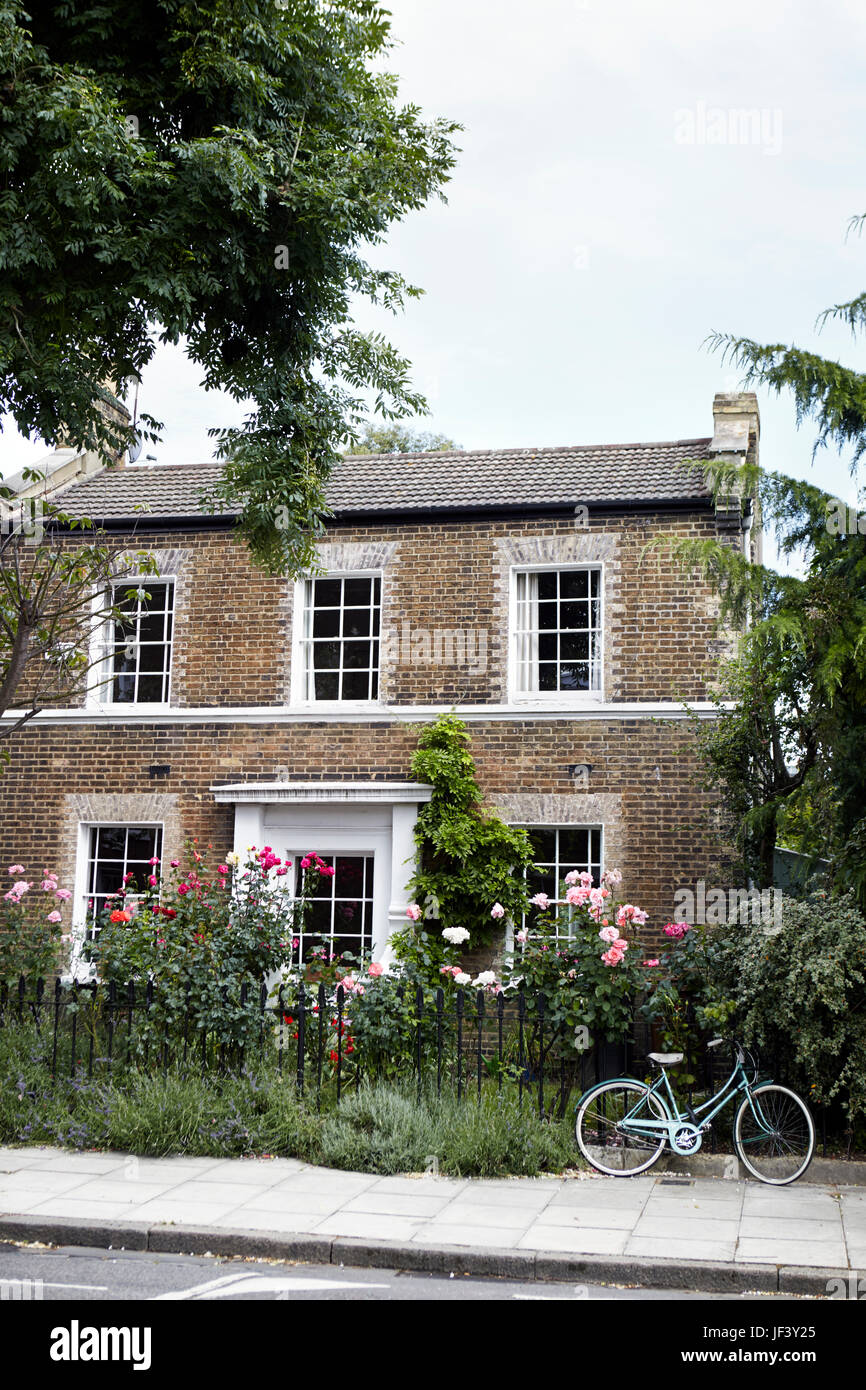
[(508, 584)]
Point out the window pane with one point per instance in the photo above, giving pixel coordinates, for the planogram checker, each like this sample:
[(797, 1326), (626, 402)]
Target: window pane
[(547, 584), (152, 657), (326, 623), (149, 689), (151, 628), (326, 656), (543, 844), (356, 685), (574, 584), (356, 655), (111, 841), (574, 646), (327, 593), (357, 591), (140, 844), (574, 677), (356, 622), (573, 615), (548, 616), (547, 676), (327, 686)]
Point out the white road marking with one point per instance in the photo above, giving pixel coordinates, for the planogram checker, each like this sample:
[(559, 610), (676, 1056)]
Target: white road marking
[(261, 1283)]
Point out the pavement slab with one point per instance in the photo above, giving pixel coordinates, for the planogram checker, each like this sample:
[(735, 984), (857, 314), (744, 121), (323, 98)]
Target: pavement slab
[(724, 1232)]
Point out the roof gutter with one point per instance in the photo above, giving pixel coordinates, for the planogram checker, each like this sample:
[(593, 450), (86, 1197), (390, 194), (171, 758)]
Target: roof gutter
[(344, 517)]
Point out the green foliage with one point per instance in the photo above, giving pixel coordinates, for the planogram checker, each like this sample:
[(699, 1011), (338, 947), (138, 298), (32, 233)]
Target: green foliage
[(468, 859), (379, 1128), (214, 171), (399, 438), (795, 991), (801, 992)]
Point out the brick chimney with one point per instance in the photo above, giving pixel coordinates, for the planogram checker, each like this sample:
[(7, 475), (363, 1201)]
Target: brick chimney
[(736, 435), (65, 466), (736, 424)]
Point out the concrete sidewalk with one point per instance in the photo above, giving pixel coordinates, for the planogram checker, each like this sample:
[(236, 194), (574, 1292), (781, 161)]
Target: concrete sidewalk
[(655, 1229)]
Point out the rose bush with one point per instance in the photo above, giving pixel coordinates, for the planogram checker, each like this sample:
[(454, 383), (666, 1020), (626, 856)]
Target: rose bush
[(208, 939), (31, 921)]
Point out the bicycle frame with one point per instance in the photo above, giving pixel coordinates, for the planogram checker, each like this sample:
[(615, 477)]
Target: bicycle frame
[(693, 1119)]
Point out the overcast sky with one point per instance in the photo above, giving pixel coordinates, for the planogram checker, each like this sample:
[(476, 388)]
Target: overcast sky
[(606, 215)]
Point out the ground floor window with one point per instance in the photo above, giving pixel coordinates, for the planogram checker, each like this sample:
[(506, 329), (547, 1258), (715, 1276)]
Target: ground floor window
[(113, 852), (559, 850), (339, 914)]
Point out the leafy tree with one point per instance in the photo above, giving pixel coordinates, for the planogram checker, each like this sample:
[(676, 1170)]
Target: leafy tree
[(793, 751), (211, 173), (397, 438), (48, 608)]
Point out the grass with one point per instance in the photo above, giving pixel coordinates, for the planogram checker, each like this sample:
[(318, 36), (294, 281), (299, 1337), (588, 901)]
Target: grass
[(379, 1128)]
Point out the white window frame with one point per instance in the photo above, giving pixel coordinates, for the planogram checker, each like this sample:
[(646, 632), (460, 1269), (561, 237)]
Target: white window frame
[(80, 969), (560, 825), (101, 672), (546, 698), (301, 644), (377, 898)]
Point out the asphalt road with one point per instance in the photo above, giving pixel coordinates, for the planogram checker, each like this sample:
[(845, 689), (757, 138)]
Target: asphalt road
[(71, 1273)]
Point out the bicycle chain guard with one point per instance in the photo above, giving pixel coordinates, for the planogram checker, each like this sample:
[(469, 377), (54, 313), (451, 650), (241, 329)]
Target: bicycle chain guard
[(686, 1139)]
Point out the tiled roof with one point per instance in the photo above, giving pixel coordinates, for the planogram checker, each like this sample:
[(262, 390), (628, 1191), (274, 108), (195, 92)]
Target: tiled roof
[(383, 483)]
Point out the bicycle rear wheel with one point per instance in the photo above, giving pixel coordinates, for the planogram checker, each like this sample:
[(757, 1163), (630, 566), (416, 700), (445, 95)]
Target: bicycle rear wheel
[(599, 1136), (774, 1134)]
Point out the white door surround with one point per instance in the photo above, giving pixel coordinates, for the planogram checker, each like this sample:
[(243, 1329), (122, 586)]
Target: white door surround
[(375, 818)]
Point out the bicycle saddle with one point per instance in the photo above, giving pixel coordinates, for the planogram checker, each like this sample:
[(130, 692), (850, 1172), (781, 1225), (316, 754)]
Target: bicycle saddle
[(665, 1059)]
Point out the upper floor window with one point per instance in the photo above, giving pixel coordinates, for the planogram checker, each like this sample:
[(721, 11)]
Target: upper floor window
[(557, 631), (137, 664), (339, 647)]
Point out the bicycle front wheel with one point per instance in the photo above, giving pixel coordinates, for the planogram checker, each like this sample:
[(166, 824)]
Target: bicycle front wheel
[(600, 1137), (774, 1134)]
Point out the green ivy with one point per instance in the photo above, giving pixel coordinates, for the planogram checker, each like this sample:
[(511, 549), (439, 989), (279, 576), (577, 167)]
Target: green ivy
[(468, 859)]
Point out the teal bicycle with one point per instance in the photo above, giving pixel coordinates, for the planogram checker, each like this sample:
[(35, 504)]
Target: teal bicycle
[(622, 1126)]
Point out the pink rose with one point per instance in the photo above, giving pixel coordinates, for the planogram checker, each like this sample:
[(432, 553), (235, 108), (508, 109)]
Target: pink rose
[(609, 934), (540, 900), (497, 910), (612, 957), (152, 880), (63, 894), (175, 863), (54, 917), (523, 937), (413, 912), (375, 968), (650, 962), (183, 889), (16, 869)]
